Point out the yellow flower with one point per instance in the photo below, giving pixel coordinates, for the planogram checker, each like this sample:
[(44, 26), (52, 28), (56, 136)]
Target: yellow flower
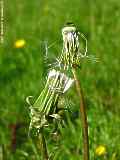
[(19, 43), (100, 150)]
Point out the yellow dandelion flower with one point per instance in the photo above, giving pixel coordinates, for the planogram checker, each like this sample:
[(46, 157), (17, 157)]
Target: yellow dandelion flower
[(19, 43), (100, 150)]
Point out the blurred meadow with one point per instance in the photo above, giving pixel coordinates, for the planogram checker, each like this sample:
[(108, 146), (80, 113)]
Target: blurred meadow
[(23, 73)]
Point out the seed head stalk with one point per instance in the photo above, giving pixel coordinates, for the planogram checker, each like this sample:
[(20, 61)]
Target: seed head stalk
[(83, 116)]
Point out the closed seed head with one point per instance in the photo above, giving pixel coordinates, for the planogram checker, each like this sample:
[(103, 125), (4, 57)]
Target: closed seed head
[(45, 106)]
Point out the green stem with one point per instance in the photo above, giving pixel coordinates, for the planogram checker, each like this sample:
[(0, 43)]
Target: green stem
[(83, 116), (43, 146)]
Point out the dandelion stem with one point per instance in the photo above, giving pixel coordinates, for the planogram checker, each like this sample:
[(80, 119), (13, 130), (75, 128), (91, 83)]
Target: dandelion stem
[(83, 116), (44, 146)]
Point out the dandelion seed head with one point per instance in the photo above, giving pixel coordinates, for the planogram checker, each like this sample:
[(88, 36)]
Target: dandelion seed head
[(46, 104), (72, 52)]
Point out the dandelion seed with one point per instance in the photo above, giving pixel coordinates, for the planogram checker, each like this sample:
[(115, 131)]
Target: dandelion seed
[(20, 43), (100, 150)]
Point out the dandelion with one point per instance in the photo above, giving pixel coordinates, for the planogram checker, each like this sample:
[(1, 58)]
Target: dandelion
[(71, 54), (100, 150), (46, 104), (70, 59), (19, 43), (45, 107)]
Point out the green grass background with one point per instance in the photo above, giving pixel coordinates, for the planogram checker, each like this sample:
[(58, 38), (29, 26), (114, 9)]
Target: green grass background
[(22, 73)]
